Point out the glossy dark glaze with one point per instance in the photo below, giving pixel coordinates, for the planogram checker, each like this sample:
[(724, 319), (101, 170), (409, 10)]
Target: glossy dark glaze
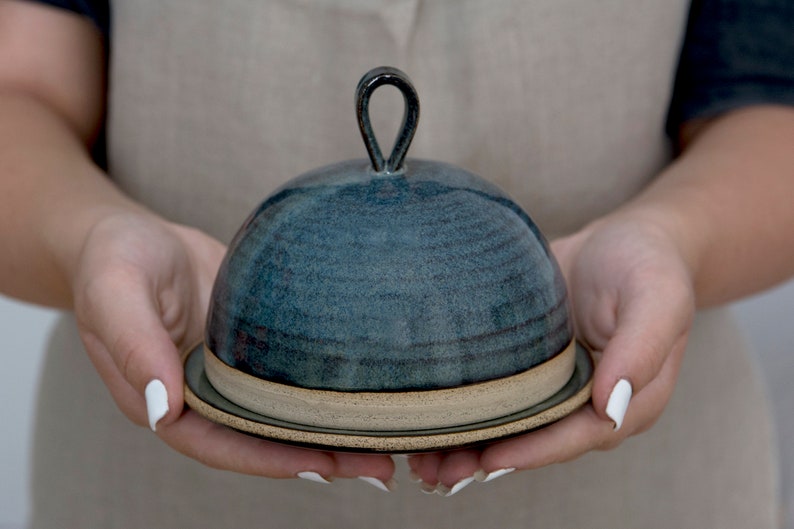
[(352, 280), (388, 277)]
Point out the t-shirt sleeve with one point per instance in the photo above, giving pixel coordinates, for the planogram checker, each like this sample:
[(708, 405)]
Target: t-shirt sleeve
[(99, 12), (96, 10), (735, 53)]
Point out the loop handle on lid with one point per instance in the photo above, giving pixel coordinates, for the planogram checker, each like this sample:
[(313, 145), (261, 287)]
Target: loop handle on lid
[(366, 86)]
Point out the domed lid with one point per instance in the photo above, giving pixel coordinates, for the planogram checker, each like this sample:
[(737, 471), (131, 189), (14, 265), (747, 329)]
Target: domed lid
[(385, 275)]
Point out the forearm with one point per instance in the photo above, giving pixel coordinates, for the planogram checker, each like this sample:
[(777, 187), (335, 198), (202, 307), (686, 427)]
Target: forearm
[(728, 201), (51, 193)]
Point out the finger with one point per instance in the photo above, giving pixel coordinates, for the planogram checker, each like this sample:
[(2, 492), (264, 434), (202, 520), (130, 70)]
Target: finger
[(458, 465), (225, 449), (124, 395), (652, 400), (424, 468), (556, 443), (649, 324), (445, 473), (121, 310), (377, 470)]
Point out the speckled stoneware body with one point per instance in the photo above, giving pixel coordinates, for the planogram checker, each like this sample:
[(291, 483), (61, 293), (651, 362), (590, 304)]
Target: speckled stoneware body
[(352, 280)]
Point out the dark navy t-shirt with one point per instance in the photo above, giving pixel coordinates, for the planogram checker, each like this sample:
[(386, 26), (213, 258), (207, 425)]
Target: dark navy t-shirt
[(735, 53), (96, 10)]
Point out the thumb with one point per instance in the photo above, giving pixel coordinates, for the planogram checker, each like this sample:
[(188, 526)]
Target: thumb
[(131, 347), (650, 325)]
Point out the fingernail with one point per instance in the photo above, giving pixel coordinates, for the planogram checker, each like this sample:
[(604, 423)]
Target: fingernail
[(414, 477), (313, 476), (156, 402), (387, 486), (442, 490), (459, 486), (618, 402), (427, 488), (482, 477)]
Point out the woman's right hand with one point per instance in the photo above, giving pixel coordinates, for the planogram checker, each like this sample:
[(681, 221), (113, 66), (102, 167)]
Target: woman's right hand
[(139, 285), (141, 289)]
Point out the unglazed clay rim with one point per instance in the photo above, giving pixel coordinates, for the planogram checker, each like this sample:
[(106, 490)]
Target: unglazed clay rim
[(571, 397), (392, 411)]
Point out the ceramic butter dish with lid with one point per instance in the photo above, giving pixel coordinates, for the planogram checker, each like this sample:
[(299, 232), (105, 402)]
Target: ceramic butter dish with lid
[(388, 305)]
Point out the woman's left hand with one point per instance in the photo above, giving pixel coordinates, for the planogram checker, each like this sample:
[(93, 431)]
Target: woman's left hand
[(633, 304)]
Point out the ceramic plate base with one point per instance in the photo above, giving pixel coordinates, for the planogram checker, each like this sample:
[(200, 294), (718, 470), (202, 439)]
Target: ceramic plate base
[(202, 397)]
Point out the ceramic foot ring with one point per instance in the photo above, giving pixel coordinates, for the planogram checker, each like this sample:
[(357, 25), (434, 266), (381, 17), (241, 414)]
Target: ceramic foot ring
[(388, 305)]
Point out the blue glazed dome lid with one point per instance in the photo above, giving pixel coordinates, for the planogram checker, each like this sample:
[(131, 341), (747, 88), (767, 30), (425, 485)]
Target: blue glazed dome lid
[(387, 275)]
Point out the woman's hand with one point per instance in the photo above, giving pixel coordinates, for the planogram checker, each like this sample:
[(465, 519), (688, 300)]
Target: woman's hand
[(633, 304), (138, 284), (141, 291), (715, 225)]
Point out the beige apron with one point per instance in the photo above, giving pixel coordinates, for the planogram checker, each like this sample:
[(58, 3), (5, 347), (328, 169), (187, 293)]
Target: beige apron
[(561, 102)]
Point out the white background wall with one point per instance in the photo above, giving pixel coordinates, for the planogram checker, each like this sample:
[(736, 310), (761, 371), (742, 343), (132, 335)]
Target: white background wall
[(768, 320), (24, 331)]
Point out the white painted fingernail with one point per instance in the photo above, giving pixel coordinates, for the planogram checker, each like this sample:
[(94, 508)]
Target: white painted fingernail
[(482, 477), (388, 486), (156, 402), (442, 490), (618, 402), (414, 477), (459, 486), (313, 476)]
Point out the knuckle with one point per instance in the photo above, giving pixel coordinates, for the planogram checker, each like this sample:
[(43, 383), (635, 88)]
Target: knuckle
[(610, 441)]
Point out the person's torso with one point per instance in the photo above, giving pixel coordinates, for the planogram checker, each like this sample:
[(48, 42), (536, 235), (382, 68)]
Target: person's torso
[(560, 102)]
